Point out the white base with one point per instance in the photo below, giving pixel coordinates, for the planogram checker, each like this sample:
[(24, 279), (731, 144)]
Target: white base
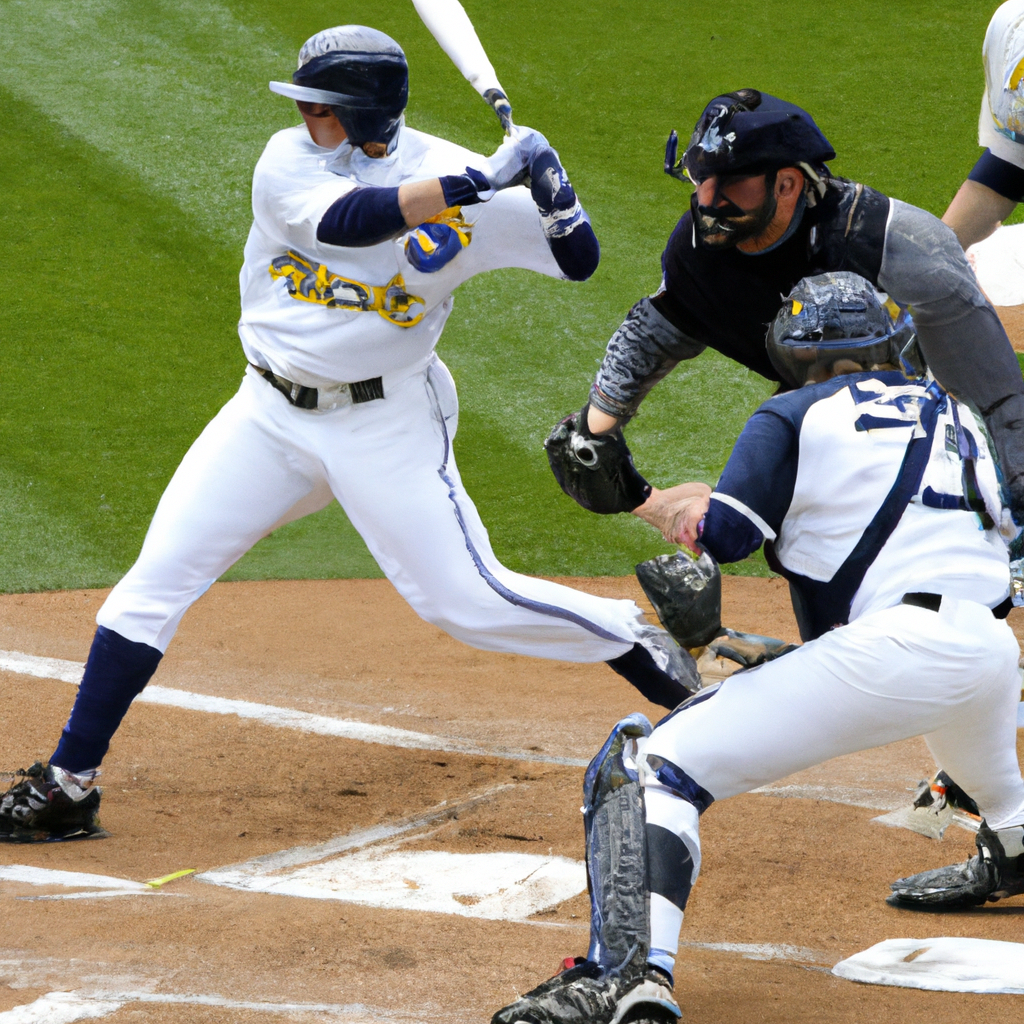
[(943, 964)]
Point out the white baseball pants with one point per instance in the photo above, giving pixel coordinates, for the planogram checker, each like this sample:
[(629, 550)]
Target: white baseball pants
[(262, 462), (950, 676)]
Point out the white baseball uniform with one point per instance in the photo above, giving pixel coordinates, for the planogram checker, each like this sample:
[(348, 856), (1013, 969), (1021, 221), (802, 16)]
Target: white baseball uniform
[(327, 316), (1001, 121), (809, 474)]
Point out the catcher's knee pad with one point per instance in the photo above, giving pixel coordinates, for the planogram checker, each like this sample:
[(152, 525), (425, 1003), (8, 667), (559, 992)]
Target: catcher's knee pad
[(674, 803), (613, 817)]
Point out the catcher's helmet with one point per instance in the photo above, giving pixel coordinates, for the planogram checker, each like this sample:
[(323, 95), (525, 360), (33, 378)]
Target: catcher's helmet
[(836, 316), (361, 74), (748, 132)]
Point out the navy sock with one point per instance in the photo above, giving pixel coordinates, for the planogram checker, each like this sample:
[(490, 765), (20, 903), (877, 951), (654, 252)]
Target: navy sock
[(115, 674), (639, 668)]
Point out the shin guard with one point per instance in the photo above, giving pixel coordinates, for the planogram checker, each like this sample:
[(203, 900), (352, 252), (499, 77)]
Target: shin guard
[(613, 817)]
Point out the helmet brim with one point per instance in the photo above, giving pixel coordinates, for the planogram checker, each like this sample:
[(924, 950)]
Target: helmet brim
[(308, 94)]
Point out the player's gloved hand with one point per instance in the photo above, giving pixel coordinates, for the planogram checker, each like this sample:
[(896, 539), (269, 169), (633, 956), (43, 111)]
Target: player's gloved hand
[(508, 165), (530, 143), (595, 470)]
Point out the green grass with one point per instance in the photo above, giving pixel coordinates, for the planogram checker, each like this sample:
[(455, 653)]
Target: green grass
[(129, 134)]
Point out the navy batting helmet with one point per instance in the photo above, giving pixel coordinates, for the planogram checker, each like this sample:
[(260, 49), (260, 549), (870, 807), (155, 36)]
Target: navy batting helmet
[(748, 132), (831, 317), (361, 74)]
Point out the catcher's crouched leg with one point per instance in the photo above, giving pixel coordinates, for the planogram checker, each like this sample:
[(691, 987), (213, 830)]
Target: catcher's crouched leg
[(614, 984)]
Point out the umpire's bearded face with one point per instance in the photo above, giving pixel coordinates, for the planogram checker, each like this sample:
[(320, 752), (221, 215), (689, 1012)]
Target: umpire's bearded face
[(731, 210)]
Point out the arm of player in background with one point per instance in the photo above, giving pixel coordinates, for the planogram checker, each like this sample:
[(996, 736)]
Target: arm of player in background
[(988, 196)]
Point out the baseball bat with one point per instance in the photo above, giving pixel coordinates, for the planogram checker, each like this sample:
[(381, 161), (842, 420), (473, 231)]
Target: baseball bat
[(450, 26)]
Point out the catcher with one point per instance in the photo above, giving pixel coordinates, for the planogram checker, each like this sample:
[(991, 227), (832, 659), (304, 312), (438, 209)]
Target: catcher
[(766, 212), (877, 497)]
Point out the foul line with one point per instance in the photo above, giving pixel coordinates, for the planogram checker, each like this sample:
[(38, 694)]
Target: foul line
[(281, 718), (65, 1007)]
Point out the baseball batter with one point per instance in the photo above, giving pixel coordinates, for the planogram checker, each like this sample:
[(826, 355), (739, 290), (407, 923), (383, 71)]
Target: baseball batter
[(362, 228), (878, 499), (766, 212), (996, 183)]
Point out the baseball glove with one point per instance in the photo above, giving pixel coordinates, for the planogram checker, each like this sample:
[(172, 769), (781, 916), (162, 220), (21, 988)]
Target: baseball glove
[(595, 470), (687, 595)]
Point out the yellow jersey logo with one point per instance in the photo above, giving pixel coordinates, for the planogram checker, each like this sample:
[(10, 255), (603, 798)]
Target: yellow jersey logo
[(313, 282)]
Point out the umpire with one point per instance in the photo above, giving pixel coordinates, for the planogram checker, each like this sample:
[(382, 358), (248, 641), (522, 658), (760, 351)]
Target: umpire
[(765, 213)]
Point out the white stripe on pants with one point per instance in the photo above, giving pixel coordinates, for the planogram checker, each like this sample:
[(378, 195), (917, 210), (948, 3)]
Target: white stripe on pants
[(261, 462)]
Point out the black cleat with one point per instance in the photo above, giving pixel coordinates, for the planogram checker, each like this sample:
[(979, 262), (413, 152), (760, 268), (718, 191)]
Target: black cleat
[(993, 873), (589, 994), (50, 805)]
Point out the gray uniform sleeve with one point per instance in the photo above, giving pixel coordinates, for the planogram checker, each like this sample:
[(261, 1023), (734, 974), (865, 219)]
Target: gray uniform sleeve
[(640, 353), (959, 333)]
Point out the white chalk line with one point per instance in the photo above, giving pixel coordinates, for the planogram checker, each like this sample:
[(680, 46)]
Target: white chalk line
[(298, 856), (103, 886), (282, 718), (849, 796), (764, 951), (67, 1007)]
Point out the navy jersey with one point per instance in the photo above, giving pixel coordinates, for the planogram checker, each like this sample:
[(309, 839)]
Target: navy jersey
[(725, 299)]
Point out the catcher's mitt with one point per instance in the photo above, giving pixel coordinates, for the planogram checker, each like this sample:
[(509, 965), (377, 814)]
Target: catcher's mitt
[(687, 595), (595, 470)]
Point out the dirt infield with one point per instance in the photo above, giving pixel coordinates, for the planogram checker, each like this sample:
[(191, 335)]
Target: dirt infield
[(1013, 320), (791, 884)]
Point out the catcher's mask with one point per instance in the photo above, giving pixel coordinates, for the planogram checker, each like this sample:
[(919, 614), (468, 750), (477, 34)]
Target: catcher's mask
[(361, 74), (741, 134), (838, 316)]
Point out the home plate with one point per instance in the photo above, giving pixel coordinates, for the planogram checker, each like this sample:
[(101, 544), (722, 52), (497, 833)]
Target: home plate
[(497, 886), (944, 964)]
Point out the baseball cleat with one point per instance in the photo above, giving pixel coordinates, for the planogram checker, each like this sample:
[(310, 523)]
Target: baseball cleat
[(50, 805), (995, 872), (588, 994)]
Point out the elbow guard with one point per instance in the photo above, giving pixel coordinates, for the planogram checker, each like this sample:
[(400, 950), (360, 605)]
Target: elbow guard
[(565, 223), (362, 217), (641, 352), (961, 337)]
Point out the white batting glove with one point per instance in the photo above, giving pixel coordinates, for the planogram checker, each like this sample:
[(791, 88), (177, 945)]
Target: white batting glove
[(531, 142), (510, 161)]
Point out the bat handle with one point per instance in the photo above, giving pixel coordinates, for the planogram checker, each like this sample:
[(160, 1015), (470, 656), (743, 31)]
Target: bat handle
[(499, 101)]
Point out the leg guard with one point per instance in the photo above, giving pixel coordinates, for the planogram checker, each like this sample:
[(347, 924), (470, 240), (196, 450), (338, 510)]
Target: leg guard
[(614, 984), (613, 818)]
